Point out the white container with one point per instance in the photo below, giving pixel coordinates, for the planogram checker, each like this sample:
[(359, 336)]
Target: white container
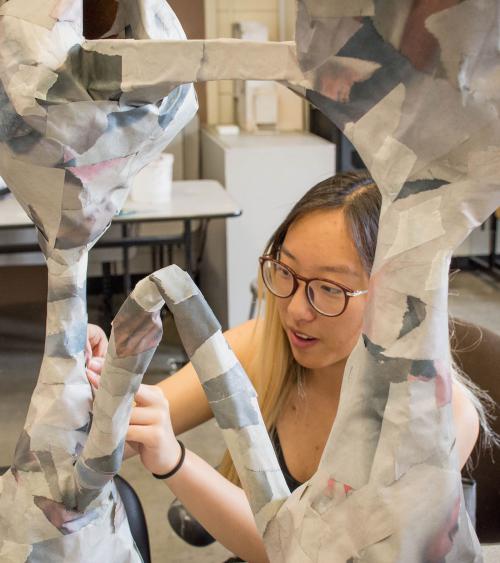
[(153, 184)]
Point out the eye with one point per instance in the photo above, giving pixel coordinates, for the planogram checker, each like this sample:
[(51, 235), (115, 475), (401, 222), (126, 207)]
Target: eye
[(281, 271), (330, 290)]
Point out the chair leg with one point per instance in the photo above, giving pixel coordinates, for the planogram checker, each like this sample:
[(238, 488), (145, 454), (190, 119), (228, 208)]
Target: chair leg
[(107, 296)]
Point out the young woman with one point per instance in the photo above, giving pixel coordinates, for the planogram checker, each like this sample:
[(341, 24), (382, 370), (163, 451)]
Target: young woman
[(315, 270)]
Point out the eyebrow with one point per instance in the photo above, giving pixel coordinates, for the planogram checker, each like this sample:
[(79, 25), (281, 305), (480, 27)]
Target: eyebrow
[(338, 269)]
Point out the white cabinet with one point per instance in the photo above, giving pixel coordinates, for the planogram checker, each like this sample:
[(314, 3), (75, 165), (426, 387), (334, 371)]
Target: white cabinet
[(265, 174)]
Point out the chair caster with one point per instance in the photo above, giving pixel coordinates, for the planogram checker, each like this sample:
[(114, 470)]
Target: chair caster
[(187, 527)]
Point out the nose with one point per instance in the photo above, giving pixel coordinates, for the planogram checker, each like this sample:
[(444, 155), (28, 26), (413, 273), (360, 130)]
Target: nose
[(299, 307)]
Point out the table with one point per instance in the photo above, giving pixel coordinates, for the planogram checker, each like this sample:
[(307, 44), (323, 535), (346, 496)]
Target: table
[(491, 552), (191, 200)]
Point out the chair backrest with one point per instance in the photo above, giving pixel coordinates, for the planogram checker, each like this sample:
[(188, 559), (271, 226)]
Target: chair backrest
[(477, 352), (135, 516)]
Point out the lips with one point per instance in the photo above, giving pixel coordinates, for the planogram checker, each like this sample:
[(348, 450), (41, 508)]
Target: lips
[(300, 339), (303, 335)]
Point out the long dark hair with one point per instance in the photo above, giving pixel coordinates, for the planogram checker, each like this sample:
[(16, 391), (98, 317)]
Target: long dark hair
[(357, 195)]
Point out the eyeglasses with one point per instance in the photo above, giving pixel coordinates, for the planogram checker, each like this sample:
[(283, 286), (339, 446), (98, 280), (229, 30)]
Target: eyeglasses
[(325, 296)]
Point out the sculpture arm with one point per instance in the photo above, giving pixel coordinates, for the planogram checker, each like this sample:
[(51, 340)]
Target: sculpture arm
[(136, 333), (188, 402), (175, 62)]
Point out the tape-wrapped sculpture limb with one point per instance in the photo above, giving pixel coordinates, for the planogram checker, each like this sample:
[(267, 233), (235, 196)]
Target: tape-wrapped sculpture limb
[(134, 338), (69, 152), (78, 119)]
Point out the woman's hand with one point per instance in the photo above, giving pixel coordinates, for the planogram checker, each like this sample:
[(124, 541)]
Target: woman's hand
[(95, 350), (221, 507), (150, 431)]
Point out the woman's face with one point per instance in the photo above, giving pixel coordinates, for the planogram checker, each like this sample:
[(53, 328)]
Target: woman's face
[(319, 245)]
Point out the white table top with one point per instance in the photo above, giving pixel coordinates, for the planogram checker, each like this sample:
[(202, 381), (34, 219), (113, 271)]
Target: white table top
[(191, 199)]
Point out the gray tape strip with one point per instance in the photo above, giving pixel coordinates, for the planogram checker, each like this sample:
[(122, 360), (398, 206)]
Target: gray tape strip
[(414, 315), (423, 368), (135, 331), (235, 413), (89, 478), (233, 383), (50, 473), (108, 463), (67, 344), (419, 186), (66, 290), (194, 334), (260, 491)]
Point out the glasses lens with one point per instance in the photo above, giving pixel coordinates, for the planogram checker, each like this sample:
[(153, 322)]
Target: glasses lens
[(327, 298), (278, 279)]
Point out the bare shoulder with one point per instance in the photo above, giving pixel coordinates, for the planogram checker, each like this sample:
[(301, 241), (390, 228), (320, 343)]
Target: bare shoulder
[(243, 340), (466, 422)]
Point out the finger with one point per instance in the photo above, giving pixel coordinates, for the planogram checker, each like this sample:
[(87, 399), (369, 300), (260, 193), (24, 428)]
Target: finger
[(93, 377), (95, 364), (148, 395), (97, 340), (101, 346), (144, 416), (131, 448), (88, 350), (148, 436)]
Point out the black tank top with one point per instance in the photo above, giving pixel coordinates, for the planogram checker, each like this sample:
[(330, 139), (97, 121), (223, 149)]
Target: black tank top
[(290, 480)]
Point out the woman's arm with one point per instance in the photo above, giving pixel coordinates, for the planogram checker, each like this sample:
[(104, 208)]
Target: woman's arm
[(466, 423), (221, 507)]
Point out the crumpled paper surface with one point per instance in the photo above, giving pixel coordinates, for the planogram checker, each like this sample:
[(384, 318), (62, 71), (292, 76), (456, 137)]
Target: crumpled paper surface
[(417, 94), (69, 148)]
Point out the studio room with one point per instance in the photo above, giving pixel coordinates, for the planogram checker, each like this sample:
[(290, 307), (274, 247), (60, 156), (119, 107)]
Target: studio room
[(250, 281)]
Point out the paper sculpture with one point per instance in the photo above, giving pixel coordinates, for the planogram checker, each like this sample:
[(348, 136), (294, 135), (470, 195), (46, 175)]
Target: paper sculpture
[(415, 88), (69, 148), (426, 125)]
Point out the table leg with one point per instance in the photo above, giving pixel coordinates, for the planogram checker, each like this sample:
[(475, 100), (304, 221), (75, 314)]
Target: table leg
[(188, 251), (493, 241), (126, 263), (107, 297)]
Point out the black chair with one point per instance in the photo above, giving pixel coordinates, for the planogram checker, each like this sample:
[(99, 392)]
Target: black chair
[(135, 515), (477, 352)]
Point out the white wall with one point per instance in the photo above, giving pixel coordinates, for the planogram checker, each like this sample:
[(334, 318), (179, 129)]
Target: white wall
[(265, 175)]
